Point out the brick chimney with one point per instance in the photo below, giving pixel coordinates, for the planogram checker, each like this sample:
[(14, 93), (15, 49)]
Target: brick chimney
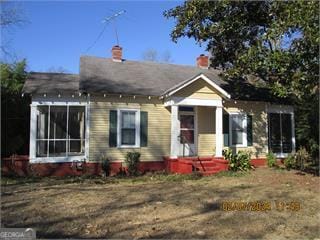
[(203, 61), (116, 53)]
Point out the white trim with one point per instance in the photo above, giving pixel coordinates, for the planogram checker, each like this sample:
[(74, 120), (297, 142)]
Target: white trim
[(203, 77), (175, 123), (193, 102), (58, 159), (58, 103), (33, 132), (137, 127), (219, 132), (293, 133), (244, 125), (196, 129), (87, 133), (280, 109)]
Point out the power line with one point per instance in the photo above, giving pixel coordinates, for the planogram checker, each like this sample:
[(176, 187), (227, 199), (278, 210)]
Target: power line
[(106, 21)]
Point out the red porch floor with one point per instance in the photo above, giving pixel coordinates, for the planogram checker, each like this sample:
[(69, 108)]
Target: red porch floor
[(204, 165)]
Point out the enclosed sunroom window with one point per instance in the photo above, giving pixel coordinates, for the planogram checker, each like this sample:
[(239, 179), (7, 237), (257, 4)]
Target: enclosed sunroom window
[(60, 131)]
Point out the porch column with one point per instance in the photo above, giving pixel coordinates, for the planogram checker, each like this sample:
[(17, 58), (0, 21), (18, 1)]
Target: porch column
[(219, 135), (174, 132), (33, 132)]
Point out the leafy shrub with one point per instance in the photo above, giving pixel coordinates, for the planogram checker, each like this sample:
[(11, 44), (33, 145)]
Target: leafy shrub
[(132, 162), (302, 156), (239, 161), (271, 159), (105, 165), (289, 162)]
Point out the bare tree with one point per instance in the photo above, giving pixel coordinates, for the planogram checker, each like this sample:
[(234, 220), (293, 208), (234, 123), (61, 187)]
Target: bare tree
[(150, 55), (11, 15), (166, 57), (57, 70)]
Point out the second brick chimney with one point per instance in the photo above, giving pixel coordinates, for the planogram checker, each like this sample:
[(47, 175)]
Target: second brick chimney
[(116, 53), (203, 61)]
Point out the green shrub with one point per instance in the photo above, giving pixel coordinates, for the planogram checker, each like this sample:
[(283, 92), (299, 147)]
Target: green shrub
[(105, 165), (271, 159), (289, 162), (302, 157), (239, 161), (132, 162)]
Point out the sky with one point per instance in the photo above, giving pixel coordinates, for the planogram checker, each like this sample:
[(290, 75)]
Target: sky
[(58, 33)]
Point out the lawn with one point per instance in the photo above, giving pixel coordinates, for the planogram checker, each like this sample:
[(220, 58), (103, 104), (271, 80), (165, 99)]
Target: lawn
[(159, 206)]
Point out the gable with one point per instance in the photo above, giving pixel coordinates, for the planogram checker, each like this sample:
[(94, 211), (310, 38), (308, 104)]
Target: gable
[(199, 89)]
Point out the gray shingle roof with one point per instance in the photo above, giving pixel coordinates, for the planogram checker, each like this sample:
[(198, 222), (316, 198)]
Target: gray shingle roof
[(41, 82), (133, 77), (102, 75)]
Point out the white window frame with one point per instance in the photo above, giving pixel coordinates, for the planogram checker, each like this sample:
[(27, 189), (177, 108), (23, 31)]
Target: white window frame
[(137, 126), (33, 133), (244, 136)]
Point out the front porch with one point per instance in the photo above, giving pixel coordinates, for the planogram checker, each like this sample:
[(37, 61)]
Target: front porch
[(196, 129)]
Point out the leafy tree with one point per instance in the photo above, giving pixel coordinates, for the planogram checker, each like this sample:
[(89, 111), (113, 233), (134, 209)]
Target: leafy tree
[(14, 109), (277, 41)]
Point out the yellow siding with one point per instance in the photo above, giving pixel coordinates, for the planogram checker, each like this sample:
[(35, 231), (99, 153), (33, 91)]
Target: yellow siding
[(206, 131), (159, 128), (259, 124), (199, 89)]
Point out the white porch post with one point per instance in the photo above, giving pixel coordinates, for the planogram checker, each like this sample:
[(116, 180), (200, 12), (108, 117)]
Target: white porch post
[(33, 132), (219, 135), (174, 132)]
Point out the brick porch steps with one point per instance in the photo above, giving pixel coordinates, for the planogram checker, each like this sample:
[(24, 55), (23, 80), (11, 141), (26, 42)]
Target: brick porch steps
[(204, 165)]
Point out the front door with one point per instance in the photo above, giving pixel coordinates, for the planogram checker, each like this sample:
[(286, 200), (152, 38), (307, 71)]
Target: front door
[(187, 133)]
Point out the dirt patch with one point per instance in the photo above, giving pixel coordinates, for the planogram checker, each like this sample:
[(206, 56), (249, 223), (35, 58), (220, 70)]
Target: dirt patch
[(165, 209)]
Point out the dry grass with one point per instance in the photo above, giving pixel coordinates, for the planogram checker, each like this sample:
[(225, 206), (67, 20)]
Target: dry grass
[(163, 206)]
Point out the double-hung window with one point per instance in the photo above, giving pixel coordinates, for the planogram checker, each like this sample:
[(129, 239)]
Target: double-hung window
[(238, 130), (60, 131), (129, 128)]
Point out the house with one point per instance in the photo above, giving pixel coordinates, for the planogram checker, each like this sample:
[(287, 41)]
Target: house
[(176, 116)]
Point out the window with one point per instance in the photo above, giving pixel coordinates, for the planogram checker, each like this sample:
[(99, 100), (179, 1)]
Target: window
[(60, 131), (238, 126), (280, 133), (128, 126)]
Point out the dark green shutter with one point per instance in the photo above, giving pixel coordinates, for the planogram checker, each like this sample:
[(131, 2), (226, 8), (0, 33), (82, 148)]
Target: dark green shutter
[(143, 129), (249, 130), (113, 118), (226, 129)]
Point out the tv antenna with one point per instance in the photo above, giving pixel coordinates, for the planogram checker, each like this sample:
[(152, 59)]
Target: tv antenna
[(106, 21)]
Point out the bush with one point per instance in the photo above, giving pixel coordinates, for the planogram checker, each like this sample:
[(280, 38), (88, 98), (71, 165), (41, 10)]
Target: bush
[(302, 156), (271, 159), (238, 162), (132, 162), (105, 165), (289, 162)]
